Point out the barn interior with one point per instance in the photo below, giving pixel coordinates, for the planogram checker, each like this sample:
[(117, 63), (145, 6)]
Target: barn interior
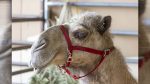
[(31, 17)]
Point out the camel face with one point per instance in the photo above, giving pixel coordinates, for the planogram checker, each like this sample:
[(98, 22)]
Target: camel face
[(88, 30)]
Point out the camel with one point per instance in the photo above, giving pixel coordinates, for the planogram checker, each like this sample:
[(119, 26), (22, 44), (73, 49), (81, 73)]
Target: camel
[(90, 30), (144, 49)]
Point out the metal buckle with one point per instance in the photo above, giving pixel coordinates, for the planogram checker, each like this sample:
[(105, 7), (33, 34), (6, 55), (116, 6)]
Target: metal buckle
[(69, 53), (105, 52), (69, 59)]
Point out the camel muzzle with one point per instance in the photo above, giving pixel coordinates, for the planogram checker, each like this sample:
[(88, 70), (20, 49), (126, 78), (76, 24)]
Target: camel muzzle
[(41, 44)]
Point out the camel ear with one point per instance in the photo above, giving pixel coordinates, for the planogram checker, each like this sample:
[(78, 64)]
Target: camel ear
[(104, 24)]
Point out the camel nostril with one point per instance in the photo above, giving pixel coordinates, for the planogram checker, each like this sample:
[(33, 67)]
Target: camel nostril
[(41, 44)]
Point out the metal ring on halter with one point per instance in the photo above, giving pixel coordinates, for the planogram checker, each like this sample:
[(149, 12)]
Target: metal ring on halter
[(69, 59), (69, 56), (105, 52)]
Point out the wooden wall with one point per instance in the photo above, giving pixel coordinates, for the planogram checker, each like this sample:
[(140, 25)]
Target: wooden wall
[(5, 12), (23, 30)]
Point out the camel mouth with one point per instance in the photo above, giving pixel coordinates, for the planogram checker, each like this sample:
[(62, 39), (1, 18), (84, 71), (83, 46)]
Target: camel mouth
[(40, 47), (37, 51), (41, 57)]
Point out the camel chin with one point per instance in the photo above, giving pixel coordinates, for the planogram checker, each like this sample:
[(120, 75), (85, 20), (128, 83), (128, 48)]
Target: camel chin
[(41, 58)]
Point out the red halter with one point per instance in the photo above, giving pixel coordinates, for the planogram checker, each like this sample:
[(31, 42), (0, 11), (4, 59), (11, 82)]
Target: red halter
[(143, 59), (72, 47)]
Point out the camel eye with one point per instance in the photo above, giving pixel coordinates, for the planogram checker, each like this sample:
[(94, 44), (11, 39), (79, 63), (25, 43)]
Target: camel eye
[(80, 34)]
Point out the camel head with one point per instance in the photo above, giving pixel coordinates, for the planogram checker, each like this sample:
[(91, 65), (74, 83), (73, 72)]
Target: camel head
[(88, 29)]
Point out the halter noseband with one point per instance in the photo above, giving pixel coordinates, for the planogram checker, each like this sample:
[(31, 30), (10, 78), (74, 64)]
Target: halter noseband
[(86, 49)]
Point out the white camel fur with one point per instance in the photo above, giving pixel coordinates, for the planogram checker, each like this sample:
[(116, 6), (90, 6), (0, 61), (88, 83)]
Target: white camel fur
[(89, 30)]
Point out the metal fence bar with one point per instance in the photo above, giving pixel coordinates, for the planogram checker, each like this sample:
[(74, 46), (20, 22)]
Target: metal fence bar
[(128, 33), (19, 64), (46, 14), (26, 18), (21, 47), (43, 13), (22, 43), (22, 71), (132, 60), (95, 4)]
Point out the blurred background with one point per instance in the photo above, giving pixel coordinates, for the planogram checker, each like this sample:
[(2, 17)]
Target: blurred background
[(146, 18), (31, 17)]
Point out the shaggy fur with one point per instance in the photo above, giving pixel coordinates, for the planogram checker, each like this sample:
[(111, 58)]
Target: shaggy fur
[(51, 48)]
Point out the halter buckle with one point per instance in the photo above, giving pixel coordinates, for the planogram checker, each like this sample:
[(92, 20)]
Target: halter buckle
[(69, 56), (106, 51), (69, 59)]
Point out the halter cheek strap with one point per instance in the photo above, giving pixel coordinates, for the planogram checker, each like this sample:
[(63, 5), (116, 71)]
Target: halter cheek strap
[(86, 49)]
